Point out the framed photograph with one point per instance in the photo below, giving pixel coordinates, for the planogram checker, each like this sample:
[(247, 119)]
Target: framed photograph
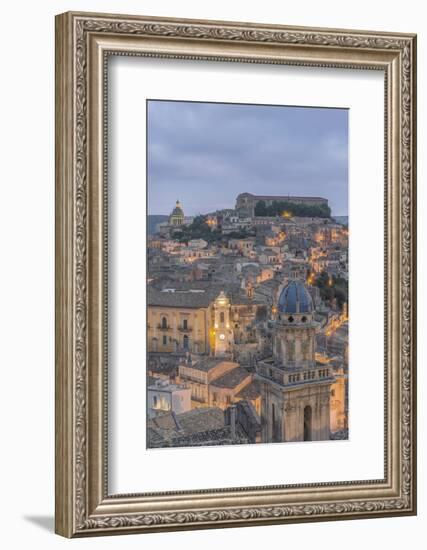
[(235, 274)]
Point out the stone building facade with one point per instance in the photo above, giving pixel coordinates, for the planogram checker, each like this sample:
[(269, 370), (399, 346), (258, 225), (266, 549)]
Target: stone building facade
[(246, 202), (339, 400), (206, 321), (217, 382), (178, 321)]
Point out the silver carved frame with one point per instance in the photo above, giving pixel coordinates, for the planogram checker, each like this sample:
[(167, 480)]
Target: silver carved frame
[(83, 43)]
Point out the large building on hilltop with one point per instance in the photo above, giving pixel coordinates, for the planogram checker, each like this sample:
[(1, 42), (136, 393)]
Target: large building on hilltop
[(175, 222), (246, 202)]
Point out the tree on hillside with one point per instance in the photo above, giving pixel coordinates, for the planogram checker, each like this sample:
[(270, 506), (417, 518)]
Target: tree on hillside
[(331, 288), (279, 208), (260, 209)]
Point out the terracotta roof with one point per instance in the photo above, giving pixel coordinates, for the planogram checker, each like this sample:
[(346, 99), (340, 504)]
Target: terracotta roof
[(251, 391), (208, 364), (205, 294), (231, 379), (191, 300)]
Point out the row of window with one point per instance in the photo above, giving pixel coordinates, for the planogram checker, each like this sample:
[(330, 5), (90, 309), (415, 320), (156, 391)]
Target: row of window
[(161, 403), (198, 392), (166, 340), (303, 319), (215, 399), (164, 323)]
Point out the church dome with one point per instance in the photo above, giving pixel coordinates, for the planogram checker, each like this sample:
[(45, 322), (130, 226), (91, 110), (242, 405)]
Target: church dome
[(295, 298), (177, 211)]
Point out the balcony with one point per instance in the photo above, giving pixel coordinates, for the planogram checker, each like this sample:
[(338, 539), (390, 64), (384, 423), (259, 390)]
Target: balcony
[(164, 328), (181, 328)]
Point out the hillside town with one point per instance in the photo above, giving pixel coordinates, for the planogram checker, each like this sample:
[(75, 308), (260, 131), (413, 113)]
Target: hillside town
[(247, 324)]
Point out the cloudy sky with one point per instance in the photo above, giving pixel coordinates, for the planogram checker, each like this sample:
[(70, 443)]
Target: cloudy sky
[(205, 154)]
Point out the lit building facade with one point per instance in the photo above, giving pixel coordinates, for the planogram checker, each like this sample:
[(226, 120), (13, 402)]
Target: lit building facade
[(178, 321), (163, 396), (339, 401), (203, 322), (223, 333), (217, 382)]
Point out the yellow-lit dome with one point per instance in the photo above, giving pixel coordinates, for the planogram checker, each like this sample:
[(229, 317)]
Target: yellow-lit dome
[(177, 214)]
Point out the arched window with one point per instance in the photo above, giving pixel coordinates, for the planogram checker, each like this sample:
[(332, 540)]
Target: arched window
[(164, 322), (291, 319), (307, 423), (221, 318), (275, 424), (185, 342)]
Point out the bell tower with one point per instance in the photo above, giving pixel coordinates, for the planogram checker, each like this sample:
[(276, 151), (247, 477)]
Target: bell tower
[(295, 389), (222, 326)]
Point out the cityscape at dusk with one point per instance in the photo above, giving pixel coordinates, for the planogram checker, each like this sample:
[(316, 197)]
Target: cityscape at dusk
[(247, 290)]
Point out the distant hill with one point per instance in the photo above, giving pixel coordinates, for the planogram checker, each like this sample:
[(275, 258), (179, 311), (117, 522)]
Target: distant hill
[(153, 220), (343, 220)]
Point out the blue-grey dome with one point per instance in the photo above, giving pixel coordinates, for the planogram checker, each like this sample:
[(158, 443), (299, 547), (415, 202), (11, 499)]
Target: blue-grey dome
[(295, 298)]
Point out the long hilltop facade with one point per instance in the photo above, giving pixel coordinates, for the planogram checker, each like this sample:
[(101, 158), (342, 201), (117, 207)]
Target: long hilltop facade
[(246, 202), (247, 326)]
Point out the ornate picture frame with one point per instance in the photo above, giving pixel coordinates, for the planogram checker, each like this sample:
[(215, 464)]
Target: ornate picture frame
[(84, 42)]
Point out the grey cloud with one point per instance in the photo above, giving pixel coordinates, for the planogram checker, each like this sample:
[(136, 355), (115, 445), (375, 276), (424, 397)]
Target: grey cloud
[(205, 154)]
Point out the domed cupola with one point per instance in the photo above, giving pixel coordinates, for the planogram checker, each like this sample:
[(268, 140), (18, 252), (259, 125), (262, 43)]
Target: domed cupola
[(177, 211), (295, 299), (177, 215)]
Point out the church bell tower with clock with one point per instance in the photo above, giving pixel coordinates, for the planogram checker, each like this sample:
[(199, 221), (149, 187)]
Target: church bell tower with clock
[(222, 326)]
